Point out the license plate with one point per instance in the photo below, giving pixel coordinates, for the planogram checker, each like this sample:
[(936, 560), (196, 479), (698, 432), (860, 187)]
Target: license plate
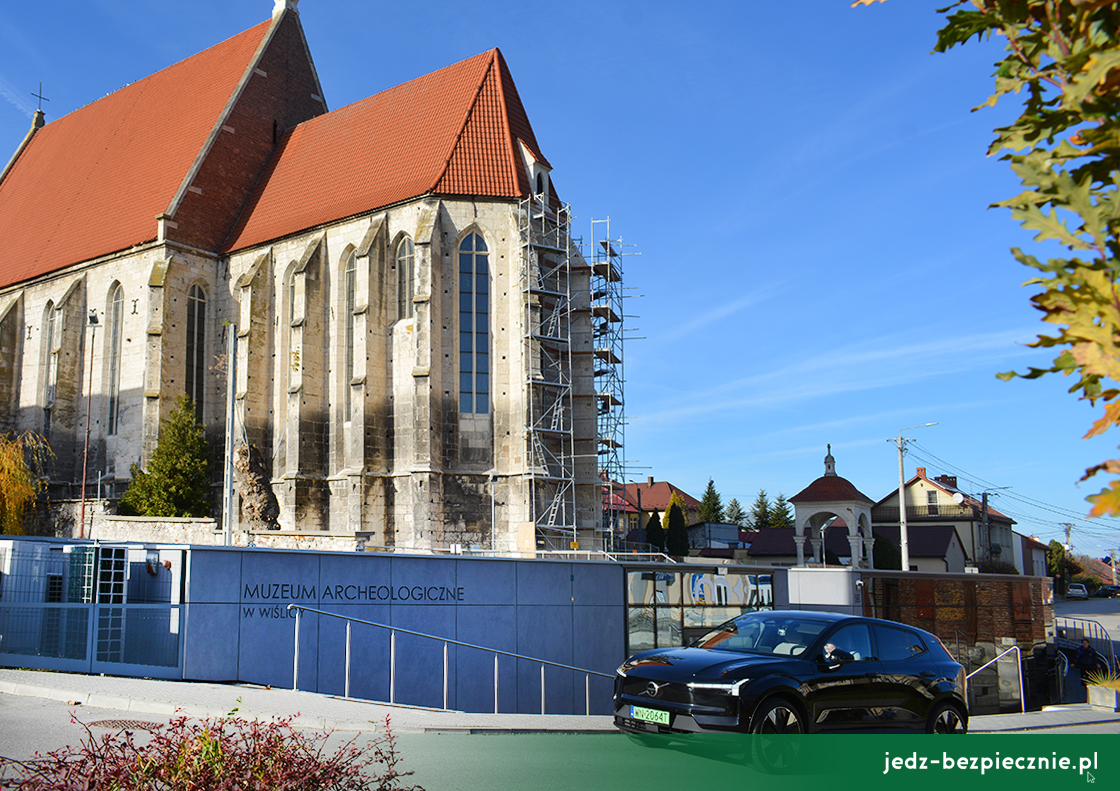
[(649, 715)]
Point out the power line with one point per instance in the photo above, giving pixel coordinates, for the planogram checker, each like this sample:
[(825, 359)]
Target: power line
[(1104, 529)]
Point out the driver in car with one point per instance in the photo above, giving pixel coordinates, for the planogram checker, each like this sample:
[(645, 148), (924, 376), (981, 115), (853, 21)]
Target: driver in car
[(834, 655)]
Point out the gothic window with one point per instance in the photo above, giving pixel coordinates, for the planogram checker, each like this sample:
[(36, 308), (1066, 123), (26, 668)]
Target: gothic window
[(406, 278), (350, 291), (196, 348), (51, 344), (474, 326), (113, 336)]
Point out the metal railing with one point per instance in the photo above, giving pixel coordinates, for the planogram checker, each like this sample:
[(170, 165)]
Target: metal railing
[(1072, 630), (1018, 667), (1061, 673), (587, 674)]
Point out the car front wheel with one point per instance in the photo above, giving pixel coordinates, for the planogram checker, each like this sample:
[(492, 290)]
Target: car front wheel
[(777, 716), (946, 719)]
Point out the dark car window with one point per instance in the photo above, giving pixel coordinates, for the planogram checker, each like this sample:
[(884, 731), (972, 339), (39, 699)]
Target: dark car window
[(854, 640), (895, 644)]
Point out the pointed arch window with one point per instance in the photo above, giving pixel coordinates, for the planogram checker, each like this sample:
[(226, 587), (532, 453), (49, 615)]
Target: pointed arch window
[(349, 298), (113, 337), (406, 278), (50, 381), (474, 325), (196, 348)]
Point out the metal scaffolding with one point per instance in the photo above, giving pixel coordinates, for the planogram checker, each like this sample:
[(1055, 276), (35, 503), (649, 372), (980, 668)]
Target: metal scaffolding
[(607, 321), (546, 292)]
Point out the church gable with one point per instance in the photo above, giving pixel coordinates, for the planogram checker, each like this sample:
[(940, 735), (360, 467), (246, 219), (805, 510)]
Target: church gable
[(121, 157), (452, 132), (278, 90)]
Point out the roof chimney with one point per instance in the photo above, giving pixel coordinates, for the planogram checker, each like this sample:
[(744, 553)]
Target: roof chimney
[(948, 481), (921, 472), (279, 6), (650, 481)]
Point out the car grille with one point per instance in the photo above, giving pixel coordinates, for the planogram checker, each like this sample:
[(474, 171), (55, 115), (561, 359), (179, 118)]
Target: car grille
[(677, 695)]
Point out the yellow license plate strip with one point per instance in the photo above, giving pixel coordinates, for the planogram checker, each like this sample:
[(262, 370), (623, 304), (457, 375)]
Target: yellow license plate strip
[(656, 716)]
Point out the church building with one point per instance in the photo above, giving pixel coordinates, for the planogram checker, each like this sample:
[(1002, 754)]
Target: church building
[(387, 293)]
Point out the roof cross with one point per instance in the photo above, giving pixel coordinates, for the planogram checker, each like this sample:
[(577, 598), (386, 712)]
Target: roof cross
[(40, 97)]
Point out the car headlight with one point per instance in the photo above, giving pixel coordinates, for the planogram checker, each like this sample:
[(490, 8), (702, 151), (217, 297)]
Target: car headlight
[(727, 687)]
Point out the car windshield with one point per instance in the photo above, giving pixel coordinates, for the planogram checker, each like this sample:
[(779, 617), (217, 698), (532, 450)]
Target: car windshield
[(764, 633)]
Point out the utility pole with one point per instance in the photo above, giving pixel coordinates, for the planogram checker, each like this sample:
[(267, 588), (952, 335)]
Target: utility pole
[(903, 541)]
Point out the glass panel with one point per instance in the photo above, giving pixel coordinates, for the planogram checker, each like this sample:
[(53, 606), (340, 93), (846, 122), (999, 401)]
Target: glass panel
[(482, 264), (639, 629), (466, 341), (669, 627), (466, 402), (483, 362), (482, 385), (482, 302), (465, 362), (482, 403), (466, 382), (479, 244), (482, 283), (466, 263), (465, 302)]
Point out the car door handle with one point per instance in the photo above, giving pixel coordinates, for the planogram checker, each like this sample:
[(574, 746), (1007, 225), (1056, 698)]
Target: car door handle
[(927, 674)]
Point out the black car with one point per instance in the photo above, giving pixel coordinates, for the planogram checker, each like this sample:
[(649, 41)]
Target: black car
[(1107, 591), (795, 672)]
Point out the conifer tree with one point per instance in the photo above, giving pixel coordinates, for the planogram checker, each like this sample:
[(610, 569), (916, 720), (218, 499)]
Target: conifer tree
[(711, 507), (676, 534), (734, 513), (760, 511), (177, 481), (780, 514)]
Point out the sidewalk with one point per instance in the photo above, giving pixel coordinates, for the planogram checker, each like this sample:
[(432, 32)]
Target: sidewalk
[(200, 699)]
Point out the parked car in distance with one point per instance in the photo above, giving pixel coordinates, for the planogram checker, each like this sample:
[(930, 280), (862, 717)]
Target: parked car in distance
[(1076, 590), (795, 672), (1107, 591)]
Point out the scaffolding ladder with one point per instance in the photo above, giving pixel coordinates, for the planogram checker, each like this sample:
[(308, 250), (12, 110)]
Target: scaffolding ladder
[(546, 293)]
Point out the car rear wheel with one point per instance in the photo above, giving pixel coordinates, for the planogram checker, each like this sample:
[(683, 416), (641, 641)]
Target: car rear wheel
[(946, 719)]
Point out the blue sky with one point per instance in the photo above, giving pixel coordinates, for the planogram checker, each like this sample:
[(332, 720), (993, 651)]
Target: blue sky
[(807, 189)]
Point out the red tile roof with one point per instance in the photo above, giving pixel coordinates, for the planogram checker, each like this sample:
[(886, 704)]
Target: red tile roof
[(829, 488), (93, 182), (451, 132), (656, 496)]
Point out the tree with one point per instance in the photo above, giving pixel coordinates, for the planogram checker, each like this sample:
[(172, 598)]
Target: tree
[(780, 514), (760, 511), (1063, 58), (674, 499), (711, 507), (177, 481), (23, 461), (676, 532), (885, 555), (734, 513), (655, 533)]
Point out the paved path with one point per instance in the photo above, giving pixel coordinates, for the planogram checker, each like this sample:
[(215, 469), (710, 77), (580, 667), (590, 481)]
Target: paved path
[(140, 696)]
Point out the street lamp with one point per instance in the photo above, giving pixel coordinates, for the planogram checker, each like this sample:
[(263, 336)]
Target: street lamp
[(903, 541), (89, 404)]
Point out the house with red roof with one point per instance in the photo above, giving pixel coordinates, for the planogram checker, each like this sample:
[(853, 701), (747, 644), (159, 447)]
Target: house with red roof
[(389, 291)]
